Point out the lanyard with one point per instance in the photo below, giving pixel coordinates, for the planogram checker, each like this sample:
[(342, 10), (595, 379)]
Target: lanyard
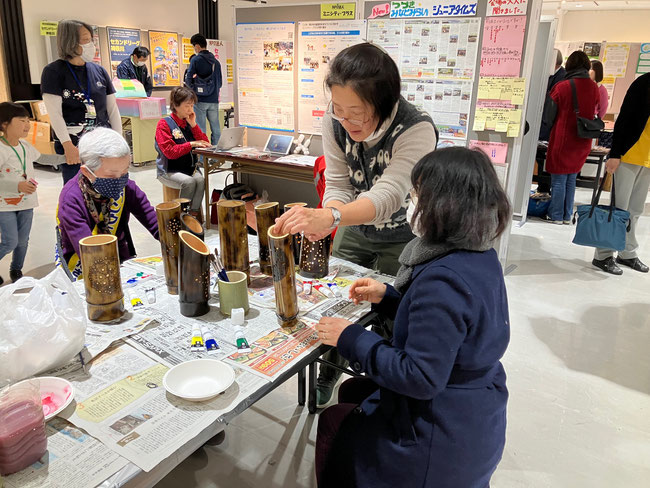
[(87, 91), (23, 161)]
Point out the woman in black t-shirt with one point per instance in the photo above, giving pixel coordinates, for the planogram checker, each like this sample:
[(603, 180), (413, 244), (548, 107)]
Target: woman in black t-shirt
[(78, 94)]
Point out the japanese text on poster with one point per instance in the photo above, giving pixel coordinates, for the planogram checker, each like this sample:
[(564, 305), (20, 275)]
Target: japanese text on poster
[(49, 28), (188, 49), (164, 58), (435, 8), (121, 43), (507, 7), (503, 40), (643, 64), (318, 44), (265, 59), (222, 50), (337, 11), (496, 151), (615, 59)]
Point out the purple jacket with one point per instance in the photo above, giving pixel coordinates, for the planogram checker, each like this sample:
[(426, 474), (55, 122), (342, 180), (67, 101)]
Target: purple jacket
[(75, 221)]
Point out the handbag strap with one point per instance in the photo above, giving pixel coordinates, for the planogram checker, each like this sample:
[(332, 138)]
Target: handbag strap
[(576, 109), (596, 199)]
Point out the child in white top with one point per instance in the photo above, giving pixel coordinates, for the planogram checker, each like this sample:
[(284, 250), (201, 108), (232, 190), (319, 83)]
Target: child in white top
[(17, 186)]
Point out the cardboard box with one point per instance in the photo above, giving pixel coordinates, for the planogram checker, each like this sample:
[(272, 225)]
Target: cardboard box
[(44, 147), (40, 111), (39, 132)]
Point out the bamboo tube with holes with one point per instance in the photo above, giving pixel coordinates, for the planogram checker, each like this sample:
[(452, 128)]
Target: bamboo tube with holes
[(185, 204), (315, 257), (193, 226), (284, 278), (233, 236), (265, 215), (297, 238), (193, 275), (169, 214), (100, 262)]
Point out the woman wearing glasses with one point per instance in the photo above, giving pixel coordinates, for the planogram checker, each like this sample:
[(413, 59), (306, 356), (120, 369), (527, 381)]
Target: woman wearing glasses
[(372, 139)]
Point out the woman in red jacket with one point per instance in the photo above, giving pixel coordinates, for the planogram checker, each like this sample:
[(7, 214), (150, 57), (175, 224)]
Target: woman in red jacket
[(567, 152), (176, 136)]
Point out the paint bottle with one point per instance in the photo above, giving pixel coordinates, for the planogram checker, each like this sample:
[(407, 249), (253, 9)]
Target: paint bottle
[(23, 440)]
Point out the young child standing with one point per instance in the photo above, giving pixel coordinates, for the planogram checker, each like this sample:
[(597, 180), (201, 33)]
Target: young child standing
[(17, 186)]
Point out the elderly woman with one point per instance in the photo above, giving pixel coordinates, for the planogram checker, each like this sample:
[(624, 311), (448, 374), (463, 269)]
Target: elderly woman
[(78, 94), (101, 199), (431, 408)]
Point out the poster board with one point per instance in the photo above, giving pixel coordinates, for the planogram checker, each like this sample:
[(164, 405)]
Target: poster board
[(121, 43), (165, 60), (224, 52), (318, 44), (265, 75)]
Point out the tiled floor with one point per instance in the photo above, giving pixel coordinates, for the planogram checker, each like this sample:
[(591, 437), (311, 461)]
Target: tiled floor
[(578, 372)]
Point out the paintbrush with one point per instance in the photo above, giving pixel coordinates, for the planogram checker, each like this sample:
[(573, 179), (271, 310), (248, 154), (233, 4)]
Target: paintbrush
[(221, 271)]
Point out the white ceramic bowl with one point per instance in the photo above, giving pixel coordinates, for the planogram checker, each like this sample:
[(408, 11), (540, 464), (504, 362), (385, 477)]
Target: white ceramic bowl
[(199, 380), (56, 394)]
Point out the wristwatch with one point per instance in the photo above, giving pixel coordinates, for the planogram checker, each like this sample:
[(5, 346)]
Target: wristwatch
[(337, 217)]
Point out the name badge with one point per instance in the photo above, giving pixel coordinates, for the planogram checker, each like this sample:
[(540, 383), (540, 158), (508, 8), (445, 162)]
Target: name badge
[(91, 110)]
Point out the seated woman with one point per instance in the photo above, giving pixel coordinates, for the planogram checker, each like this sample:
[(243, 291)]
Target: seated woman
[(101, 198), (431, 408), (176, 136)]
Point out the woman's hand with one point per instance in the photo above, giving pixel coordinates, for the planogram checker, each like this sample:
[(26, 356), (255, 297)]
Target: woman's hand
[(196, 144), (26, 187), (367, 290), (612, 165), (330, 329), (312, 221), (191, 119), (71, 153)]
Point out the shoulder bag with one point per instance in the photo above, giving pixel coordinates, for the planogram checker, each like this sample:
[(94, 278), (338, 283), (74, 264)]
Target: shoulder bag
[(587, 128)]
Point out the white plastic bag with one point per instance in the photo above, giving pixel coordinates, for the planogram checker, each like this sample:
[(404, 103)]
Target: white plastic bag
[(41, 328)]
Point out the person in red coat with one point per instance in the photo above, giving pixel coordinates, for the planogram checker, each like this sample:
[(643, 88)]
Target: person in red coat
[(567, 152)]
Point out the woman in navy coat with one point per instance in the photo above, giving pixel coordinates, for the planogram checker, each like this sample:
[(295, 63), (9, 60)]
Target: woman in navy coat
[(431, 408)]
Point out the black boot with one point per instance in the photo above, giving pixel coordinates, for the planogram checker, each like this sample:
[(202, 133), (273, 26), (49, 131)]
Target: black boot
[(15, 275)]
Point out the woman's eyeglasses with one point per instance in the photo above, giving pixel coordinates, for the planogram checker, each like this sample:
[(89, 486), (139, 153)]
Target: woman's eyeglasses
[(357, 122)]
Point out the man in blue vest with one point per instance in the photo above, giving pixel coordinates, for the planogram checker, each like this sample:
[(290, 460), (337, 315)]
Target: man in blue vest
[(135, 68), (204, 77)]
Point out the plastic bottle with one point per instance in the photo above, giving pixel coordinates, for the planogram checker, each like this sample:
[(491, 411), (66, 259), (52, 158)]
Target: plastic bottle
[(23, 439)]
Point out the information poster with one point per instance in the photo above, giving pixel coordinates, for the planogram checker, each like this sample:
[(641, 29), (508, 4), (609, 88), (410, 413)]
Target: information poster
[(507, 7), (222, 50), (188, 49), (615, 59), (318, 44), (98, 54), (592, 49), (503, 40), (496, 151), (265, 61), (164, 58), (121, 43), (643, 64), (435, 8)]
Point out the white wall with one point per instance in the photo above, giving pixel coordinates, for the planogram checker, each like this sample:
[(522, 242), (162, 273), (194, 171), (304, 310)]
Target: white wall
[(168, 15), (606, 25)]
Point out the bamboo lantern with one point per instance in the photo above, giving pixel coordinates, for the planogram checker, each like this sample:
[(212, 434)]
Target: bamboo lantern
[(297, 238), (233, 236), (185, 204), (100, 262), (193, 275), (284, 278), (169, 214), (193, 226), (315, 257), (265, 215)]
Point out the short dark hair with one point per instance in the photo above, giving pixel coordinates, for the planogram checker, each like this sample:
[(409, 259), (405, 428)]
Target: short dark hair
[(141, 52), (179, 95), (578, 60), (9, 111), (371, 73), (460, 199), (200, 40), (597, 66)]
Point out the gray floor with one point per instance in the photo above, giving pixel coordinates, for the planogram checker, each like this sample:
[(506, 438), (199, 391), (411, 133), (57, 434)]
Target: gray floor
[(578, 371)]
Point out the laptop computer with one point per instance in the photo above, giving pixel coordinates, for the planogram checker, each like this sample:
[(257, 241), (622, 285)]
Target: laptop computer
[(231, 137), (278, 145)]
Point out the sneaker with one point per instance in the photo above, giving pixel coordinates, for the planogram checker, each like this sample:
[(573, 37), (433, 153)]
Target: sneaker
[(15, 275), (566, 222), (608, 266), (324, 391), (546, 218)]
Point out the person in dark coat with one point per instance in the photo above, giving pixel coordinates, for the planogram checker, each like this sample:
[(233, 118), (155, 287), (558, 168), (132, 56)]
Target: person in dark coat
[(135, 68), (567, 152), (434, 411)]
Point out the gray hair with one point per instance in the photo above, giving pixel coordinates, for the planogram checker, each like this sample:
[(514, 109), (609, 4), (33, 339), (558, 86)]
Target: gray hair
[(68, 38), (99, 144), (559, 59)]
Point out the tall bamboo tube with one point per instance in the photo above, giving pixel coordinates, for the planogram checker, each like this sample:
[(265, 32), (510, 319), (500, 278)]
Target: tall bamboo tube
[(284, 278), (315, 257), (193, 275), (233, 236), (193, 226), (297, 238), (265, 215), (169, 224)]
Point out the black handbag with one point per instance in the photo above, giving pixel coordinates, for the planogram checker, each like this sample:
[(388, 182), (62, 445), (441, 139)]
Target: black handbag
[(587, 128)]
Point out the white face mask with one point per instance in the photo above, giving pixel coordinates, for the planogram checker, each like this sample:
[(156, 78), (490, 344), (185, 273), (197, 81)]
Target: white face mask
[(410, 211), (88, 53), (141, 63)]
